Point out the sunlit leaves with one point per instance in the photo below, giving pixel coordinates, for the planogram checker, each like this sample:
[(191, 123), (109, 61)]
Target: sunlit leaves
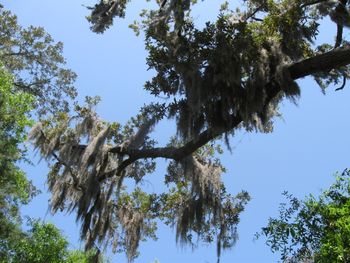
[(15, 188), (316, 228)]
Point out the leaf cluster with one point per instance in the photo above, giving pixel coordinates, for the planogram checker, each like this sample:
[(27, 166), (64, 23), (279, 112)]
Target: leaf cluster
[(42, 243), (37, 64), (315, 229), (15, 188)]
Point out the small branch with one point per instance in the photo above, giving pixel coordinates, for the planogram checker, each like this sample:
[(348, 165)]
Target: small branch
[(339, 37), (163, 4), (252, 14), (343, 85), (20, 53), (28, 87), (257, 19), (312, 3)]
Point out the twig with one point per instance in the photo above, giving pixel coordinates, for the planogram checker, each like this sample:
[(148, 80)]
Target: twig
[(343, 85)]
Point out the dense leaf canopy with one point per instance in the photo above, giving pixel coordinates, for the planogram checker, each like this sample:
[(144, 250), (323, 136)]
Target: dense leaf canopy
[(43, 243), (15, 188), (230, 74)]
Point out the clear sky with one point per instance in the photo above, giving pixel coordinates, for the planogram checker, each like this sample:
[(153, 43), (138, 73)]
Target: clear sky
[(308, 145)]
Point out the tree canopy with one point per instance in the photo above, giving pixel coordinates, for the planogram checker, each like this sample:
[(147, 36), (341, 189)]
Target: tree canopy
[(230, 74), (16, 189), (42, 243), (32, 81), (37, 64), (315, 229)]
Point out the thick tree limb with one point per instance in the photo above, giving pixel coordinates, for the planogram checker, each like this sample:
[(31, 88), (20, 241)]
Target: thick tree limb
[(336, 58), (321, 63)]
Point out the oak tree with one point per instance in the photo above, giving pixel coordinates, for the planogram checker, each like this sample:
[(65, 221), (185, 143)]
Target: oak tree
[(230, 74)]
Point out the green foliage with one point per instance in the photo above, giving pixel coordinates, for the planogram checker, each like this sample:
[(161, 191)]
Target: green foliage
[(78, 256), (102, 14), (316, 228), (37, 64), (230, 74), (31, 78), (14, 119), (15, 187), (43, 243)]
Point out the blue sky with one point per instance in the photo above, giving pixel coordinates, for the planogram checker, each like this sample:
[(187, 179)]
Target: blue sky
[(307, 146)]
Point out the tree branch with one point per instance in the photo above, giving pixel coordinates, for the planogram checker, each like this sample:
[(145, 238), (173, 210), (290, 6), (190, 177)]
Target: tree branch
[(336, 58), (312, 3), (321, 63), (333, 59), (20, 53), (339, 37)]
